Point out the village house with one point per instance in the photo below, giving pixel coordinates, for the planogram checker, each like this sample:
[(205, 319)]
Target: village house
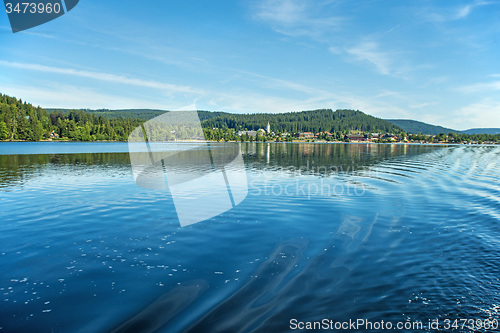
[(249, 133), (327, 134), (356, 137), (306, 135), (390, 137)]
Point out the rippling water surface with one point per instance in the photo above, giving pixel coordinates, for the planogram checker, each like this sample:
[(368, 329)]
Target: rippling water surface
[(337, 231)]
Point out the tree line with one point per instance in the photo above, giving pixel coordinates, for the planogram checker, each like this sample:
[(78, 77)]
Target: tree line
[(454, 138), (305, 121), (22, 121)]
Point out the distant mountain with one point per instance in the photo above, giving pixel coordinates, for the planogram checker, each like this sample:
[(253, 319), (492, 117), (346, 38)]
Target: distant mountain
[(415, 127), (482, 131)]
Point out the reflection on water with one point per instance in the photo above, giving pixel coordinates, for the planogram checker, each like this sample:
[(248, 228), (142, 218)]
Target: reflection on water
[(302, 159), (84, 249)]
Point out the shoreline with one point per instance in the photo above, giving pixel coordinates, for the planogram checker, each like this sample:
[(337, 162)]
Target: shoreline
[(274, 142)]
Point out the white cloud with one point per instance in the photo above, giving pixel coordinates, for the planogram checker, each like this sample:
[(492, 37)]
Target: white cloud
[(335, 50), (421, 105), (438, 80), (84, 95), (257, 103), (481, 87), (457, 13), (59, 95), (65, 96), (314, 20), (282, 12), (387, 93), (107, 77), (463, 12), (314, 99), (482, 114), (298, 17), (281, 84), (369, 52)]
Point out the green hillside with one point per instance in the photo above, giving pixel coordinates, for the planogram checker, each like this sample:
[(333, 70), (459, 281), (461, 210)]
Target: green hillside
[(293, 122), (414, 127), (22, 121), (304, 121), (482, 131)]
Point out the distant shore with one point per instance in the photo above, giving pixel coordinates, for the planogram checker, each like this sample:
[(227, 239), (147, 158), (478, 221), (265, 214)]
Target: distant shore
[(294, 141)]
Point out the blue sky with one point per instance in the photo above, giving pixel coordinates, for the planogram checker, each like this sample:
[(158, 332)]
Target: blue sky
[(433, 61)]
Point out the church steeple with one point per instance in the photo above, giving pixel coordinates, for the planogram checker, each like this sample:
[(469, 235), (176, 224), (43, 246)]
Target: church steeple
[(268, 128)]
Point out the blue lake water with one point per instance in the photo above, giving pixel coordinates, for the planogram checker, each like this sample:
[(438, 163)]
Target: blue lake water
[(399, 233)]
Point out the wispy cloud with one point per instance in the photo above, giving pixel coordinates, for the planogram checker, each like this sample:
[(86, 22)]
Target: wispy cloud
[(39, 34), (387, 93), (463, 12), (57, 95), (307, 97), (335, 50), (282, 12), (438, 80), (421, 105), (481, 87), (162, 54), (251, 102), (370, 52), (456, 12), (282, 84), (106, 77), (297, 17), (484, 113)]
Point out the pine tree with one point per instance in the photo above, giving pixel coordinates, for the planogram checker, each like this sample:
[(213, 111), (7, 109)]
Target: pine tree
[(4, 133)]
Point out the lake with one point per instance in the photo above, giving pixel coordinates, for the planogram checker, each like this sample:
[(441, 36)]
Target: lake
[(399, 233)]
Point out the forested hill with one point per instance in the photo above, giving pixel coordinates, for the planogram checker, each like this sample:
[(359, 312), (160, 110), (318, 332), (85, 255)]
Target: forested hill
[(482, 131), (22, 121), (293, 122), (304, 121), (414, 127)]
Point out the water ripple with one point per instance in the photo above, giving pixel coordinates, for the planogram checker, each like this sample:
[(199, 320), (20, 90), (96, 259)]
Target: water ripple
[(414, 236)]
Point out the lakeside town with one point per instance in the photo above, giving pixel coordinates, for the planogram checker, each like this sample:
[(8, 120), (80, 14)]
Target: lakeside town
[(21, 121), (267, 135)]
